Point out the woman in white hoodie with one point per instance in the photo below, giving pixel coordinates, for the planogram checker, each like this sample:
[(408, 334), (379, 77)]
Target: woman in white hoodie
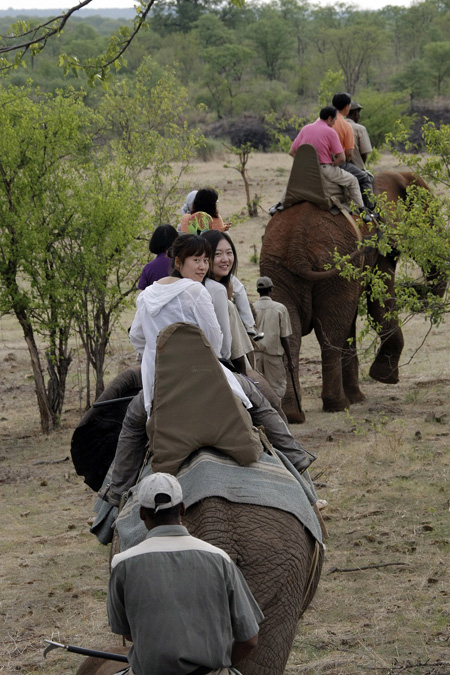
[(179, 297)]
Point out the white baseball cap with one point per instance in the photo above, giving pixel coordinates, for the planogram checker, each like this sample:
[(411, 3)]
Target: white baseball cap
[(159, 484)]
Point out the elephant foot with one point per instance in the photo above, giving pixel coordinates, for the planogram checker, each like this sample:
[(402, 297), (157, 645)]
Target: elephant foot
[(355, 395), (294, 416), (335, 405), (384, 371)]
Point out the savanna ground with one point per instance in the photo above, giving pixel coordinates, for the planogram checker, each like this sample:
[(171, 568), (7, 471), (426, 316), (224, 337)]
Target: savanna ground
[(383, 467)]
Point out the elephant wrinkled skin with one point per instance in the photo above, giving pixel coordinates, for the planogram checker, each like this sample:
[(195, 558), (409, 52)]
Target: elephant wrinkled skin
[(278, 556), (298, 242), (275, 553)]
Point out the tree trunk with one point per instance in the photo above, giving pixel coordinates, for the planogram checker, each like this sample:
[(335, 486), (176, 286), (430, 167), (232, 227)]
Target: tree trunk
[(45, 411)]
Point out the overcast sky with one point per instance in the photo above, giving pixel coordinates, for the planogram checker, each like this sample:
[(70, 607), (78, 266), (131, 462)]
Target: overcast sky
[(96, 4)]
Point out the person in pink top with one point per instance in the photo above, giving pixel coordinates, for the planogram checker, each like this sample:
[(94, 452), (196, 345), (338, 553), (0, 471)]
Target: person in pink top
[(324, 138)]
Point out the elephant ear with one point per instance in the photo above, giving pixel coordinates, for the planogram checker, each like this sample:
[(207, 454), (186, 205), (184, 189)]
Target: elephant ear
[(94, 441), (305, 181)]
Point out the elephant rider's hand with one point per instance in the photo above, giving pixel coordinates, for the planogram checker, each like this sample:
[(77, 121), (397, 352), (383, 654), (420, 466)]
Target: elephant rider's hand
[(226, 226)]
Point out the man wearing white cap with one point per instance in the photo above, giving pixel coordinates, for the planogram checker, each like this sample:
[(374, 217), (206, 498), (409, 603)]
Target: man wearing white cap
[(182, 601)]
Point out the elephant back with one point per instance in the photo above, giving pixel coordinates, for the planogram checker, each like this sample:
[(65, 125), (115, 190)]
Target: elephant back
[(270, 482), (303, 238)]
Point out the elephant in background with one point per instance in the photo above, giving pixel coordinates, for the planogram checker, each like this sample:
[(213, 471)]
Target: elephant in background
[(298, 242)]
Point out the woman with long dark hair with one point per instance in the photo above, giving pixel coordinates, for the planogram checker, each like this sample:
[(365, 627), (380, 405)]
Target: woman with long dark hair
[(223, 269), (178, 297)]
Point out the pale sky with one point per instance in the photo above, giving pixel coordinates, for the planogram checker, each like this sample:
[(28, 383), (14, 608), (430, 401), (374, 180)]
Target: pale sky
[(96, 4)]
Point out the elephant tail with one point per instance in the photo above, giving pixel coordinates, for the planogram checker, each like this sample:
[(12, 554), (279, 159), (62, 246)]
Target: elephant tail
[(322, 275)]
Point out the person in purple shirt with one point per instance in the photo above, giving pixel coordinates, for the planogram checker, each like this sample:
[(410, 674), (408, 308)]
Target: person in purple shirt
[(160, 242)]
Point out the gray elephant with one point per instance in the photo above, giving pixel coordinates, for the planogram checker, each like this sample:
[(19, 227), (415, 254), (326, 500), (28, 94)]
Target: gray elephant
[(261, 515), (297, 244)]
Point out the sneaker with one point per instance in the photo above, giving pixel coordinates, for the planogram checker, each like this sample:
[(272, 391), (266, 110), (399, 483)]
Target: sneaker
[(367, 216), (255, 335), (274, 209)]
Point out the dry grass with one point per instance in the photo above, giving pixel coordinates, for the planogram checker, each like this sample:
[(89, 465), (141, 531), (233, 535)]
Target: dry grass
[(383, 467)]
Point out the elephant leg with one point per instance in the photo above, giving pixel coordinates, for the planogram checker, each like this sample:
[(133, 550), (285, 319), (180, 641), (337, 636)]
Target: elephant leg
[(334, 309), (274, 553), (350, 369), (385, 366)]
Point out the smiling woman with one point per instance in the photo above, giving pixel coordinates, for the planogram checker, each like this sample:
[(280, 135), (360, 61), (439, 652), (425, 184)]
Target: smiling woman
[(177, 298)]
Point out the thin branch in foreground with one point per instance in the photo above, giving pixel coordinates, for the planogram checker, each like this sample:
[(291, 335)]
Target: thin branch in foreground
[(333, 570), (40, 34), (61, 19)]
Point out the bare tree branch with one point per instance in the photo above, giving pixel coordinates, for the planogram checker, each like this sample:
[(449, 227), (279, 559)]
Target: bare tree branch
[(39, 35)]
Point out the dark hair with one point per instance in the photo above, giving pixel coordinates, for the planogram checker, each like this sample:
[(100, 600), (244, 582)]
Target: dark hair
[(328, 111), (186, 245), (206, 200), (165, 515), (213, 237), (162, 239), (341, 100)]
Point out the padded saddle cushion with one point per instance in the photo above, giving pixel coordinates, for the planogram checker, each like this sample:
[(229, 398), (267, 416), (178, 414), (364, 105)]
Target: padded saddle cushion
[(193, 404), (306, 183)]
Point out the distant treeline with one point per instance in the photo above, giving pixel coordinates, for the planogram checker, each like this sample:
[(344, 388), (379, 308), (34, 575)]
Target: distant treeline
[(279, 58)]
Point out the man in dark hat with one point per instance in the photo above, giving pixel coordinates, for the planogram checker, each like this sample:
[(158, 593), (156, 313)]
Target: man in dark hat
[(272, 318), (363, 146), (181, 601)]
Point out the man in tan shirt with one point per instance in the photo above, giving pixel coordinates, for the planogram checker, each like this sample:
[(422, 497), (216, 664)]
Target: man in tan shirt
[(272, 318), (363, 146)]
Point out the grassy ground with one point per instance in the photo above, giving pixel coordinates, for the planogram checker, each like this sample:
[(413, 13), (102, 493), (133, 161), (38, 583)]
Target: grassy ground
[(383, 603)]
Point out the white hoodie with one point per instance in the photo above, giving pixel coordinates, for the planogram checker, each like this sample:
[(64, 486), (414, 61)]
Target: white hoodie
[(160, 305)]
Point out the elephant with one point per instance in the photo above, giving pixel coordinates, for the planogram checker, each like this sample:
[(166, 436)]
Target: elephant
[(297, 243), (272, 533)]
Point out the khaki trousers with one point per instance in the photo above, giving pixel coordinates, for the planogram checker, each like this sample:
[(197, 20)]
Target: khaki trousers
[(333, 174), (272, 367)]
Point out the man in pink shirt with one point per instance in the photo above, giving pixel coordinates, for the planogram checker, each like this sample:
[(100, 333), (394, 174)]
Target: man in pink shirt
[(324, 138)]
